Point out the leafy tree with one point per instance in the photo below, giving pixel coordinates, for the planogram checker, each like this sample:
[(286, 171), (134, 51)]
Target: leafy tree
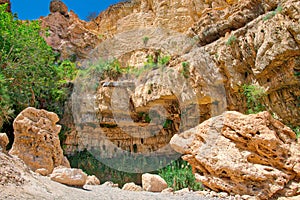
[(29, 72)]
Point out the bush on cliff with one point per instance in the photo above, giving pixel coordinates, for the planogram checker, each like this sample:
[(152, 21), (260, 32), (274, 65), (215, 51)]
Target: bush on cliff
[(30, 74)]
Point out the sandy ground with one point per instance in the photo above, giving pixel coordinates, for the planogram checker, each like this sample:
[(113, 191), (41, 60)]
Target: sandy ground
[(42, 188)]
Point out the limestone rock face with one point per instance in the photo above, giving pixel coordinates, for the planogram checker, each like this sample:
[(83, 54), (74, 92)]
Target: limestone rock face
[(242, 154), (58, 6), (3, 141), (36, 139), (153, 183), (132, 187), (68, 176), (69, 35), (8, 9), (92, 180)]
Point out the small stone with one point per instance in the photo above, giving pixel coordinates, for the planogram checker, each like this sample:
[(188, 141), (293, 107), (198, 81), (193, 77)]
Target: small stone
[(42, 171), (203, 193), (110, 184), (3, 142), (182, 191), (92, 180), (132, 187), (168, 191), (222, 194)]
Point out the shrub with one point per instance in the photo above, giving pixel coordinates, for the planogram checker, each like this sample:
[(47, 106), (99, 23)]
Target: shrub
[(273, 13), (254, 95), (179, 175), (231, 40), (30, 74), (185, 69)]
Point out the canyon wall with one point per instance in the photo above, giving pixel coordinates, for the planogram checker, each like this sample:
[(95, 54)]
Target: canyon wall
[(215, 47)]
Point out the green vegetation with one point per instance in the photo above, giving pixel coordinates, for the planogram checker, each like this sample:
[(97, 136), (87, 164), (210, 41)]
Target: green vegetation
[(185, 69), (89, 164), (145, 40), (297, 131), (231, 40), (30, 72), (179, 175), (254, 95), (273, 13)]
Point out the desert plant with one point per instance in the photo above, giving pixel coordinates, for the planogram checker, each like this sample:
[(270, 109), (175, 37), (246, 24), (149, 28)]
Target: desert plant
[(231, 40), (185, 69), (178, 175), (273, 13), (297, 131), (145, 40), (254, 95)]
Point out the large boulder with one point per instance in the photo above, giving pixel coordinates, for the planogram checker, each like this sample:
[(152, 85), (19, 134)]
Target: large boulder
[(243, 154), (3, 142), (153, 183), (68, 176), (36, 140)]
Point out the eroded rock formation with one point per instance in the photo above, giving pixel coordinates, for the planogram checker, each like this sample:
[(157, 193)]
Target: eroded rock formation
[(36, 140), (3, 142), (243, 154)]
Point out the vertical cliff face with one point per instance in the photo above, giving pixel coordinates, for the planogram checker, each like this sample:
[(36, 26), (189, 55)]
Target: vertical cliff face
[(215, 47)]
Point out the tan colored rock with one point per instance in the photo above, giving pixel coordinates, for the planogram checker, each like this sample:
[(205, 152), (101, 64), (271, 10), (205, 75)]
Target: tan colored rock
[(36, 139), (153, 183), (110, 184), (243, 154), (168, 191), (3, 142), (92, 180), (58, 6), (42, 171), (182, 191), (132, 187), (68, 176)]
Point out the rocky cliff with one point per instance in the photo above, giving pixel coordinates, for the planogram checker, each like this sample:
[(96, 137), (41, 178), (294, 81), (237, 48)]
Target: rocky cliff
[(214, 48)]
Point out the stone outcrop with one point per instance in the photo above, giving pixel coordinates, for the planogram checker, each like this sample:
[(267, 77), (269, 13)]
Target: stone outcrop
[(68, 176), (243, 154), (8, 9), (36, 139), (3, 142), (153, 183), (58, 6), (92, 180), (132, 187)]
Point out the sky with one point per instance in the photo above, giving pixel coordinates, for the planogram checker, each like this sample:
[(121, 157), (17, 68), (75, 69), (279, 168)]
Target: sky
[(33, 9)]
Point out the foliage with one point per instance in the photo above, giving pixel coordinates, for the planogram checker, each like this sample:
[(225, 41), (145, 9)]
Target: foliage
[(273, 13), (29, 75), (297, 131), (179, 175), (231, 40), (185, 69), (254, 95), (145, 40), (89, 164)]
